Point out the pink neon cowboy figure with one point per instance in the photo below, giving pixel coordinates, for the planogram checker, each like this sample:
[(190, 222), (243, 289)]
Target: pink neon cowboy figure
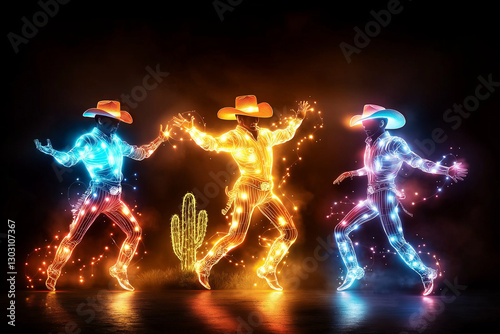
[(383, 158), (102, 153)]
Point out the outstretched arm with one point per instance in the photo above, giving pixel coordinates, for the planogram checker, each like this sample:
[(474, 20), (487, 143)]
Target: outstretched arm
[(226, 142), (343, 176), (145, 151), (400, 148), (283, 135), (68, 159)]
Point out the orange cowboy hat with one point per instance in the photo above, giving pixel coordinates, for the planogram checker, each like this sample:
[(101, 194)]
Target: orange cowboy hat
[(109, 109), (246, 105), (395, 119)]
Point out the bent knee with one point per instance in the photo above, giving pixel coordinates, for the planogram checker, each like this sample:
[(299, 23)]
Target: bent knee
[(236, 239), (291, 234), (72, 239), (136, 232), (340, 228), (397, 242)]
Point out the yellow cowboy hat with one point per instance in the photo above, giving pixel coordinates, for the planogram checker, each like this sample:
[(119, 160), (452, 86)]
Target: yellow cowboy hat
[(246, 105), (395, 119), (109, 109)]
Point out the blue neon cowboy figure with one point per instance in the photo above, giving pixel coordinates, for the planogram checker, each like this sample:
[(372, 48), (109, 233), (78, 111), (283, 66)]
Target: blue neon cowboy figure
[(383, 158), (102, 152), (102, 155)]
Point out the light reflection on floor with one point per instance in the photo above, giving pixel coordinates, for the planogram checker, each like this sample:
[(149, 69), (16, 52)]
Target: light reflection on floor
[(256, 311), (352, 309)]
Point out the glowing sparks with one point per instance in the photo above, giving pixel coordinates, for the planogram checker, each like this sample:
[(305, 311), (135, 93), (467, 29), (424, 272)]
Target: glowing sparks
[(383, 160), (40, 257), (254, 156), (102, 154)]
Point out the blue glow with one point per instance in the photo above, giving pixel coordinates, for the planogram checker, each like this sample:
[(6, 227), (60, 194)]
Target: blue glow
[(103, 155), (383, 160)]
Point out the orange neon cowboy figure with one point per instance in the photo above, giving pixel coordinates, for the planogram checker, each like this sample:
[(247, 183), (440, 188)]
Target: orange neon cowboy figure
[(252, 149)]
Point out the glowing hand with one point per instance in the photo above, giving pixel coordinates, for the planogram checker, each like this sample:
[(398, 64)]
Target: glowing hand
[(181, 122), (457, 172), (303, 109), (164, 134), (342, 177), (47, 149)]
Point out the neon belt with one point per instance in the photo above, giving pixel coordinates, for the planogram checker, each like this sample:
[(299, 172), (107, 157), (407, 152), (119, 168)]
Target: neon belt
[(377, 187), (255, 183), (248, 181), (113, 189)]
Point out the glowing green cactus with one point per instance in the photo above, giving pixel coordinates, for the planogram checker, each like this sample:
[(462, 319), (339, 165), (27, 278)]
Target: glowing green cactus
[(188, 233)]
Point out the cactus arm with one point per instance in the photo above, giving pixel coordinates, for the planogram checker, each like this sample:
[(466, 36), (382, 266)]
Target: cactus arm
[(201, 228), (176, 237)]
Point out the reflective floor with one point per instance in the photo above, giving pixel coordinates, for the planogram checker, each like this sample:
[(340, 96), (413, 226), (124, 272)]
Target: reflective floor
[(256, 311)]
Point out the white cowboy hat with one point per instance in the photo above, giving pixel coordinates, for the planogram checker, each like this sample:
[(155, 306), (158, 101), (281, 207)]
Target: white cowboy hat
[(395, 119), (246, 105), (109, 109)]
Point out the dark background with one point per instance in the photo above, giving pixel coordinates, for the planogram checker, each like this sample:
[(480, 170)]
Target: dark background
[(425, 60)]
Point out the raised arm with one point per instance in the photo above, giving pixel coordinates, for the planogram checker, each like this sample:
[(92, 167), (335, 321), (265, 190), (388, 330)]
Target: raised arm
[(400, 148), (145, 151), (283, 135), (66, 159)]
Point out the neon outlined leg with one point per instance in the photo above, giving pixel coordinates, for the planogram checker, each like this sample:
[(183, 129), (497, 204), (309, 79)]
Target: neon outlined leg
[(123, 218), (279, 216), (360, 214)]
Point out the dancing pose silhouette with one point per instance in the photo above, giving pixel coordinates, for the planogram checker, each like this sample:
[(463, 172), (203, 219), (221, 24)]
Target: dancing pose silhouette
[(383, 158), (102, 152), (252, 149)]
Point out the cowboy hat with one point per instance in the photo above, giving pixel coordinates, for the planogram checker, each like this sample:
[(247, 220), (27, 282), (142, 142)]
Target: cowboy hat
[(109, 109), (246, 105), (395, 119)]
